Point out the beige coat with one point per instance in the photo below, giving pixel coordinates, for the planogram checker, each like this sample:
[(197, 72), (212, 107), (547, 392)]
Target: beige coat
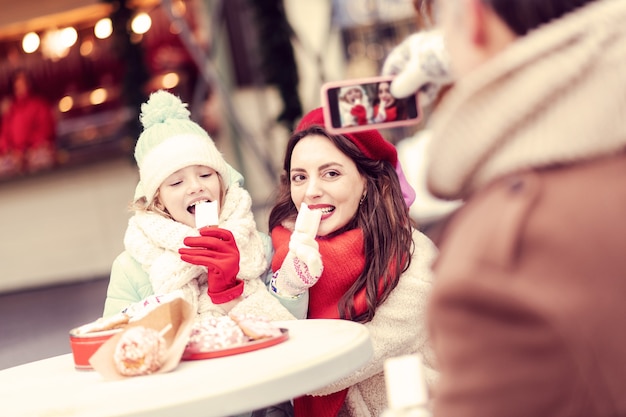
[(398, 328), (528, 311)]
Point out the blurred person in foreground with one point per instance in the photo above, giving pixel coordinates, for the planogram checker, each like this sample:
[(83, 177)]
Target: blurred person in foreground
[(28, 134), (527, 313)]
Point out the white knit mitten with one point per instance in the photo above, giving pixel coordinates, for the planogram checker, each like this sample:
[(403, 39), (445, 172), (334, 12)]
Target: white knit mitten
[(381, 115), (420, 64), (302, 266)]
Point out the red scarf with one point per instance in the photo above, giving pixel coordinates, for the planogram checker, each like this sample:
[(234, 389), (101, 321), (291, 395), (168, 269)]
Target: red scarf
[(344, 260)]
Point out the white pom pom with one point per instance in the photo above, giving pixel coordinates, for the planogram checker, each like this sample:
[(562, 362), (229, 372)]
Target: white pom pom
[(162, 106)]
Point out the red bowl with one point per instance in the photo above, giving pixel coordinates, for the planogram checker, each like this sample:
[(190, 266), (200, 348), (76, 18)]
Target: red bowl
[(85, 345)]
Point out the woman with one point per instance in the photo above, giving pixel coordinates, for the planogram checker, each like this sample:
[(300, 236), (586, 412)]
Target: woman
[(376, 265), (386, 107)]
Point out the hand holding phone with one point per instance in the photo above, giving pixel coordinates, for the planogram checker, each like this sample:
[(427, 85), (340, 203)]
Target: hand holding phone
[(421, 64)]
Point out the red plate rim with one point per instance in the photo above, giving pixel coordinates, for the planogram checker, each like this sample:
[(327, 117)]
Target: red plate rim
[(235, 350)]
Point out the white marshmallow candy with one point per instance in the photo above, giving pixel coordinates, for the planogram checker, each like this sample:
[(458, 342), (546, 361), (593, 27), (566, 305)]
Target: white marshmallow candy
[(308, 221), (207, 214)]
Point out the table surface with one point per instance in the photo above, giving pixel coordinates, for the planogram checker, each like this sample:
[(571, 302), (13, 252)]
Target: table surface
[(318, 352)]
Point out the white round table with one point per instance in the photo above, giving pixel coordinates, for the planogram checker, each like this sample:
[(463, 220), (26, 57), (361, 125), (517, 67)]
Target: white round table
[(318, 352)]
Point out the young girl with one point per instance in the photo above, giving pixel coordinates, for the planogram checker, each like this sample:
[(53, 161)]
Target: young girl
[(216, 269), (367, 263), (355, 108)]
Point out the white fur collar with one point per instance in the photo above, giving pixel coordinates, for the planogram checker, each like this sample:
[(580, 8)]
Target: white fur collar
[(556, 96)]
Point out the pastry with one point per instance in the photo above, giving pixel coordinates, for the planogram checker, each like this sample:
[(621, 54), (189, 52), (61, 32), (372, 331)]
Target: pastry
[(139, 351), (256, 327), (215, 333)]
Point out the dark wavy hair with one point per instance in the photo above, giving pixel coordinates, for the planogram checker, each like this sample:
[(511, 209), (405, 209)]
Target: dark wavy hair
[(383, 217)]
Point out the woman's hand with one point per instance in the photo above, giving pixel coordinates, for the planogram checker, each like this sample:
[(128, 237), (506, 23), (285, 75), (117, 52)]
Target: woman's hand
[(301, 268)]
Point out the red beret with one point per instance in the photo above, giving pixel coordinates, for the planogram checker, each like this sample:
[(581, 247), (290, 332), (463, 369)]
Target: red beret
[(370, 142)]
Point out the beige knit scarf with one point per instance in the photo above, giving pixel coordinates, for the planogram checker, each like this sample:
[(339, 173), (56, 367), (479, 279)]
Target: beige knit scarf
[(555, 96), (154, 240)]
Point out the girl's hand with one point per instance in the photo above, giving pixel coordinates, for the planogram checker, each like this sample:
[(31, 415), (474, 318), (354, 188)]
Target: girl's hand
[(216, 249), (360, 114)]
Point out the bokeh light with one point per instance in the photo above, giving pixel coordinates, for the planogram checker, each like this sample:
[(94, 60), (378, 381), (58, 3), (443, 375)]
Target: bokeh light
[(103, 29), (65, 104), (141, 23), (98, 96), (170, 80), (30, 42)]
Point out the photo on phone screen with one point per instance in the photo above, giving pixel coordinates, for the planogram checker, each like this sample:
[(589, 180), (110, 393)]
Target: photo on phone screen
[(364, 104)]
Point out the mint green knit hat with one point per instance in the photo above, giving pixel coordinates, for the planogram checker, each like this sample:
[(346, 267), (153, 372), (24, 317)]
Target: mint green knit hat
[(171, 141)]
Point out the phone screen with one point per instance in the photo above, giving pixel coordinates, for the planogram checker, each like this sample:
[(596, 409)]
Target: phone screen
[(363, 104)]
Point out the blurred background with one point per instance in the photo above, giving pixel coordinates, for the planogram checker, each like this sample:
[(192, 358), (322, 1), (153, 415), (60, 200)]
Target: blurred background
[(249, 69)]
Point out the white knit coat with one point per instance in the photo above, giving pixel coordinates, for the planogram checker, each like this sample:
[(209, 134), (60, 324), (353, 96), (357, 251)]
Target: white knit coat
[(398, 328)]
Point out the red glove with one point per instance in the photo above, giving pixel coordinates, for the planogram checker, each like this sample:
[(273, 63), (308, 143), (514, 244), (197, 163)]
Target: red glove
[(360, 114), (216, 249)]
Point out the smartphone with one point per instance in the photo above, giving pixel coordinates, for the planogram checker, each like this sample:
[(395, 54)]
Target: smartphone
[(366, 104)]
